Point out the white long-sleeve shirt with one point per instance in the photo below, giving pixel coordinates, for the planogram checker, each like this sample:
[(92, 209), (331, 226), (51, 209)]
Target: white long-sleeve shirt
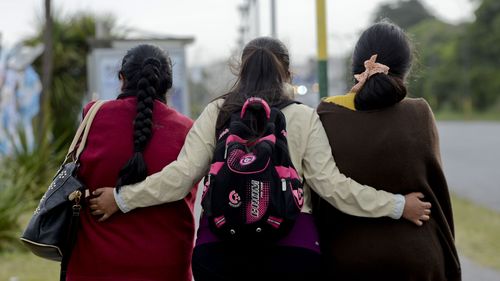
[(310, 153)]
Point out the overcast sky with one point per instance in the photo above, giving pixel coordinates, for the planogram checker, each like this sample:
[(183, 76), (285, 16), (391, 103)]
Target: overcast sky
[(214, 23)]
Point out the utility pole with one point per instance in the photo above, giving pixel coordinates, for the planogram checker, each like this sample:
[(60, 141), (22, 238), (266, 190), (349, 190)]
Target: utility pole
[(273, 19), (47, 68), (322, 48), (250, 21), (255, 18)]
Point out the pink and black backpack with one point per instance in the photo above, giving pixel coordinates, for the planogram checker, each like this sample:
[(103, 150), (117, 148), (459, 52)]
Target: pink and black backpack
[(252, 190)]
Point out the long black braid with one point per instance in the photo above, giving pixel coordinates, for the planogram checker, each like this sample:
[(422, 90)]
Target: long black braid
[(147, 74)]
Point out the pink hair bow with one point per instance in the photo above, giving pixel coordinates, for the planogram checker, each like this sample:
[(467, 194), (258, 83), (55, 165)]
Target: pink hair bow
[(371, 68)]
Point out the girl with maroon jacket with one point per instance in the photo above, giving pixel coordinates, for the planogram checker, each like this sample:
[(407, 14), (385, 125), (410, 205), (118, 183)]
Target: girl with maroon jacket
[(132, 137)]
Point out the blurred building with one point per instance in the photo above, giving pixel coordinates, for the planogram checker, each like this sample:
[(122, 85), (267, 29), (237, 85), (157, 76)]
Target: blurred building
[(305, 80), (104, 59)]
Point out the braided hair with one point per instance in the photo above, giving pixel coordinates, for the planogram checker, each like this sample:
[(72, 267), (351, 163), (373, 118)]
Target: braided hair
[(147, 74)]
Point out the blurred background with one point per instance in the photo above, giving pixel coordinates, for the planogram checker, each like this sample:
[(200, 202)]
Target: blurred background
[(57, 55)]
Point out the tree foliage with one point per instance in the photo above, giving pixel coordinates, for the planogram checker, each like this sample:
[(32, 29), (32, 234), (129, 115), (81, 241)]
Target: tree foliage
[(457, 65), (26, 174), (439, 74), (405, 13), (24, 177), (69, 83), (482, 43)]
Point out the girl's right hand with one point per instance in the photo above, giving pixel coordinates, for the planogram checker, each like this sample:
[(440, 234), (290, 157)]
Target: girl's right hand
[(416, 210)]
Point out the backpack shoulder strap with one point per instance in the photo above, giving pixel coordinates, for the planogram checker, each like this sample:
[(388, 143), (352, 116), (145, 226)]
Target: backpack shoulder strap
[(287, 103), (280, 107)]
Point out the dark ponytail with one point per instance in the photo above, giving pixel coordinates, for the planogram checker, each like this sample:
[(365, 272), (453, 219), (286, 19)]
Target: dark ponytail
[(263, 71), (147, 74), (380, 91), (393, 49)]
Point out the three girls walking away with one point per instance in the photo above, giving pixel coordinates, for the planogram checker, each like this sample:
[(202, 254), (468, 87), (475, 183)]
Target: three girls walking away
[(381, 138), (264, 73), (132, 137)]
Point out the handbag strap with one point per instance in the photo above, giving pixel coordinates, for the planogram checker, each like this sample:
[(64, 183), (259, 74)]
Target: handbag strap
[(78, 143), (82, 133), (74, 225)]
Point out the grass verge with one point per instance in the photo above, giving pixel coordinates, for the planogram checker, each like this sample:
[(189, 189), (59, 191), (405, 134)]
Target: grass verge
[(27, 267), (477, 232), (472, 116)]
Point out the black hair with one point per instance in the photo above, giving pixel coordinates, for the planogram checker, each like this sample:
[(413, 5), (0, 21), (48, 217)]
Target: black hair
[(394, 50), (264, 68), (146, 73)]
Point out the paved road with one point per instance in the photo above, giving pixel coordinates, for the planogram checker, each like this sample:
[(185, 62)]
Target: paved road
[(474, 272), (471, 159), (470, 153)]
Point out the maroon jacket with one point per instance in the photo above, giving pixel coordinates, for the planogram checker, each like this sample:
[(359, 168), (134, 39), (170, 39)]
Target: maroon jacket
[(152, 243)]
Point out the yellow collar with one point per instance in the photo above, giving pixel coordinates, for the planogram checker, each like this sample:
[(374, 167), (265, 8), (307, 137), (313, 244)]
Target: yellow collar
[(346, 100)]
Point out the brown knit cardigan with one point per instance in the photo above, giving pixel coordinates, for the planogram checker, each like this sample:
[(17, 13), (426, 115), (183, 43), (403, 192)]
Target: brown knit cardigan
[(395, 149)]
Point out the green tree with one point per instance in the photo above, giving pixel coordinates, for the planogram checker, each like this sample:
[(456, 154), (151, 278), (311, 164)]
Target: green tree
[(25, 175), (457, 65), (47, 66), (69, 80), (405, 13), (439, 75), (482, 42)]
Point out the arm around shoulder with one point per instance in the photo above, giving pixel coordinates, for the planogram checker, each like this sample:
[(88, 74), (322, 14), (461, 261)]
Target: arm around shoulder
[(342, 192)]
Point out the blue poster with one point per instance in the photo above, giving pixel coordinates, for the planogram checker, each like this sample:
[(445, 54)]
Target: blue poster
[(20, 90)]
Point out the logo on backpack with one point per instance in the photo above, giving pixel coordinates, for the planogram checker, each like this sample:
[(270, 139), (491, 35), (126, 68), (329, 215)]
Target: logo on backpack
[(252, 168), (255, 198), (234, 199), (247, 159)]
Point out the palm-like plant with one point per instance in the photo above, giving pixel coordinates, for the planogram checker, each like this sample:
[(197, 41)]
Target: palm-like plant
[(25, 175), (64, 95), (68, 86)]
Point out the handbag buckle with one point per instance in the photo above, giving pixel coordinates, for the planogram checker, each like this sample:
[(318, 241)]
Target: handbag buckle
[(75, 196)]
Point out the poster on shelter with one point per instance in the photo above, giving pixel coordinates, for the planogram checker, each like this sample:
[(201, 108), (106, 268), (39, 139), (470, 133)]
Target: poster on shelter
[(20, 90), (104, 65)]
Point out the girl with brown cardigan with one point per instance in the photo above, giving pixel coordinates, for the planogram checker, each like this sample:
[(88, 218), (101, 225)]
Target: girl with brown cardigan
[(380, 138)]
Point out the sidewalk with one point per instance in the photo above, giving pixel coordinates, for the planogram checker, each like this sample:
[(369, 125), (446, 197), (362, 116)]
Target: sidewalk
[(471, 271), (470, 158)]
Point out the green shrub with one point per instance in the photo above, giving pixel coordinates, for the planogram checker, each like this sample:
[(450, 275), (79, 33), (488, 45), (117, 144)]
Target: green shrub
[(24, 177)]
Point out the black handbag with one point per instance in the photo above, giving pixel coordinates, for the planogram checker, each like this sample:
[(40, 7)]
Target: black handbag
[(47, 232), (51, 232)]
